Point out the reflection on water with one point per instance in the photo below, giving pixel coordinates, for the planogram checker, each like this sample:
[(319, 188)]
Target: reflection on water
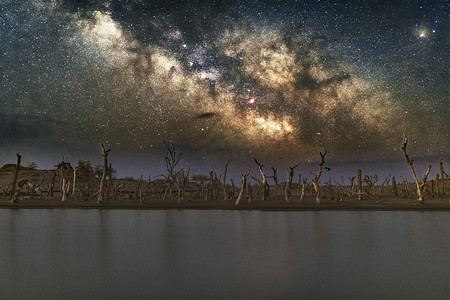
[(132, 254)]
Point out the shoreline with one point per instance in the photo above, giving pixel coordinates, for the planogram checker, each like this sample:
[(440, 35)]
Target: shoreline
[(364, 205)]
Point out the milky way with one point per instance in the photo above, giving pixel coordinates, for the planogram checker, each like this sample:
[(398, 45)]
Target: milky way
[(224, 79)]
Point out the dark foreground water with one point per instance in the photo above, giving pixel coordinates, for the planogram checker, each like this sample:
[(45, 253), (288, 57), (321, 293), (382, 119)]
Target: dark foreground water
[(192, 254)]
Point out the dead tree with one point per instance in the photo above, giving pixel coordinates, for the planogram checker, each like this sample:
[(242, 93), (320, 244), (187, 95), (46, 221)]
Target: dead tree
[(233, 188), (74, 180), (265, 185), (62, 170), (444, 179), (172, 159), (215, 189), (352, 183), (339, 190), (140, 190), (290, 176), (116, 190), (405, 185), (419, 185), (51, 186), (394, 186), (14, 191), (249, 193), (370, 182), (243, 186), (101, 193), (321, 169), (65, 187), (386, 182), (224, 183), (275, 179), (359, 185), (38, 188), (149, 187), (182, 181), (108, 187), (210, 187), (302, 192), (258, 184), (85, 191)]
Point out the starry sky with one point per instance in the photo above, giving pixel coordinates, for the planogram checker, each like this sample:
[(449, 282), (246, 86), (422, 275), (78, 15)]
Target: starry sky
[(223, 80)]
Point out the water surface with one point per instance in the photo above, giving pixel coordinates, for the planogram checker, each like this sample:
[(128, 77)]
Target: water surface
[(195, 254)]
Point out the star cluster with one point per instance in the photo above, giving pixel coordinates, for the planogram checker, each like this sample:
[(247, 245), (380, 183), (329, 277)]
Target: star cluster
[(224, 79)]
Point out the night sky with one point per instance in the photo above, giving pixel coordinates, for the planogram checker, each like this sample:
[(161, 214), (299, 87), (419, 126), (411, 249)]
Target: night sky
[(223, 80)]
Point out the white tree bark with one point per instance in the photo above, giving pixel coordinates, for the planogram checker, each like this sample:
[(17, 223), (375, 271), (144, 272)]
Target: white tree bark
[(419, 186), (316, 179), (243, 186), (264, 186)]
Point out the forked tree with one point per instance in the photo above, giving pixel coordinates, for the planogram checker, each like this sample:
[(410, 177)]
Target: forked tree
[(172, 159), (410, 162), (321, 169), (290, 176)]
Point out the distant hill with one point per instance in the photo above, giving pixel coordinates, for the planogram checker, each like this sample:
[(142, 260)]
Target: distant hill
[(8, 168)]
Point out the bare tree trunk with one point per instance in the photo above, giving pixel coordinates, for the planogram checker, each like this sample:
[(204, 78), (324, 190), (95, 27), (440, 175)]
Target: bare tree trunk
[(15, 192), (319, 173), (216, 182), (243, 186), (419, 186), (210, 187), (405, 188), (437, 184), (140, 187), (359, 185), (101, 195), (275, 179), (442, 186), (74, 180), (290, 176), (232, 189), (51, 187), (302, 193), (108, 187), (287, 191), (394, 186), (352, 183), (249, 193), (65, 187), (264, 186), (225, 191)]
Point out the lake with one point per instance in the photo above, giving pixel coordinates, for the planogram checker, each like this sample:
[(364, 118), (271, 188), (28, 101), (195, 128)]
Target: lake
[(199, 254)]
